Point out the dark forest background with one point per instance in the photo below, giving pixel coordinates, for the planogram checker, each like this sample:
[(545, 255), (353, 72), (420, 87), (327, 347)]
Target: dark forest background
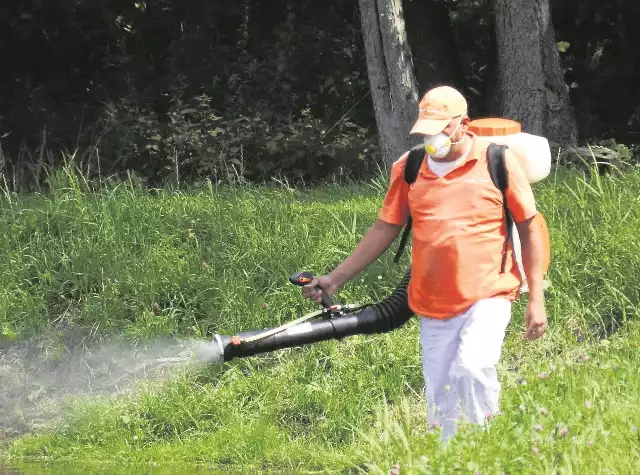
[(182, 91)]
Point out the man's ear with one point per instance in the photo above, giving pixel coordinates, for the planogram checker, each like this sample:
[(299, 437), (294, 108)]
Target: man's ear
[(465, 123)]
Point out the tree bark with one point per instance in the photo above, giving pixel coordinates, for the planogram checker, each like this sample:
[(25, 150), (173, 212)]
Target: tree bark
[(433, 47), (531, 81), (491, 90), (391, 78)]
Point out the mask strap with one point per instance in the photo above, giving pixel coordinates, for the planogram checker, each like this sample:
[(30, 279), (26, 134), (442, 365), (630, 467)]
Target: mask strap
[(453, 133)]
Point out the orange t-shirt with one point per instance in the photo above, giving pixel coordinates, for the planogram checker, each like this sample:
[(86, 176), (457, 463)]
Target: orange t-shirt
[(458, 231)]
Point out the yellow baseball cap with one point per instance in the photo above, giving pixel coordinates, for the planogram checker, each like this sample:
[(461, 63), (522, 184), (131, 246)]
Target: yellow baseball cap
[(437, 108)]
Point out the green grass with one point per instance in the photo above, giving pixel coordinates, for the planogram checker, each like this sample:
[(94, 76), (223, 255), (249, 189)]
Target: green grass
[(91, 263)]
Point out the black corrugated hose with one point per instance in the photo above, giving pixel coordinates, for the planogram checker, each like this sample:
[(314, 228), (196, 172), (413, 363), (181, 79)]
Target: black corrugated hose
[(381, 317)]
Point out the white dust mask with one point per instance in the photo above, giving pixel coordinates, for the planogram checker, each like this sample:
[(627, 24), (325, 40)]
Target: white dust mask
[(439, 146)]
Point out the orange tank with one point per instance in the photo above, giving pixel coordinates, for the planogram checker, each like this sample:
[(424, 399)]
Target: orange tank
[(532, 151)]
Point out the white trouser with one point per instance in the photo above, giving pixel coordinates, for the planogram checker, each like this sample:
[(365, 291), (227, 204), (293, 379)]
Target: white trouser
[(459, 357)]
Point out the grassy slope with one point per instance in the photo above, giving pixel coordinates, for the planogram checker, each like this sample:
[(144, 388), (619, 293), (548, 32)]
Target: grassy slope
[(213, 258)]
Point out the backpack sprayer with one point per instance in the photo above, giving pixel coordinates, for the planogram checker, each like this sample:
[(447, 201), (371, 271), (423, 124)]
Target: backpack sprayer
[(333, 321), (338, 321)]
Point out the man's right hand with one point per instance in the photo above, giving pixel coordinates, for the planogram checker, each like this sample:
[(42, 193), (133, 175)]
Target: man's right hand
[(319, 286), (376, 240)]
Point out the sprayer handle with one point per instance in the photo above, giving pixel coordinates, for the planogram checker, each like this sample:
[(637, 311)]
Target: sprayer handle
[(303, 278)]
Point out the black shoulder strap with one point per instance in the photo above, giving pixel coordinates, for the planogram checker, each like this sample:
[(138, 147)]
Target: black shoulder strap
[(414, 162), (411, 170), (499, 177), (498, 173), (497, 168)]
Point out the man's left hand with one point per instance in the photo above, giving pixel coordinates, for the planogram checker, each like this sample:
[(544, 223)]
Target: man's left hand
[(535, 320)]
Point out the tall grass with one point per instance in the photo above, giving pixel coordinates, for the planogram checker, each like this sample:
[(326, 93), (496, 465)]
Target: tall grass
[(216, 259)]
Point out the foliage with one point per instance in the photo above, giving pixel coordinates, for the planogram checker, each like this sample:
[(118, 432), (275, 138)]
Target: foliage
[(196, 143), (248, 103), (263, 84)]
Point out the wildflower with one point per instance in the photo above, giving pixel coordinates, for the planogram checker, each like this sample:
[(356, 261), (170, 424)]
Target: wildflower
[(395, 470), (586, 358), (535, 451), (265, 305), (562, 430), (537, 427), (543, 376), (522, 408), (544, 411), (521, 381), (588, 404)]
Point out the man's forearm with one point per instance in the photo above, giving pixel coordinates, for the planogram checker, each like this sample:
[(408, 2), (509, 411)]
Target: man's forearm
[(373, 244), (532, 257)]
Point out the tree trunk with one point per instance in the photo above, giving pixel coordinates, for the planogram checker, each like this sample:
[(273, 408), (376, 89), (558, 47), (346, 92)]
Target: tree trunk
[(531, 81), (391, 78), (435, 56), (491, 90)]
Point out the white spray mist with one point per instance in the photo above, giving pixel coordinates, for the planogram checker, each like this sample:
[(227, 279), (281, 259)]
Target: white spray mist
[(36, 377)]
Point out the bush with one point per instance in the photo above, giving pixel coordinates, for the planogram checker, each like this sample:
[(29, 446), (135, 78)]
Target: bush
[(196, 142)]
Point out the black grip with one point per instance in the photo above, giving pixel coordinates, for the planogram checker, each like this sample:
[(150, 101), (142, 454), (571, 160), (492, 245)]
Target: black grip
[(303, 278)]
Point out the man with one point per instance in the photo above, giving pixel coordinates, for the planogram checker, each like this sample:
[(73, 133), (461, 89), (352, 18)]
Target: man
[(457, 285)]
